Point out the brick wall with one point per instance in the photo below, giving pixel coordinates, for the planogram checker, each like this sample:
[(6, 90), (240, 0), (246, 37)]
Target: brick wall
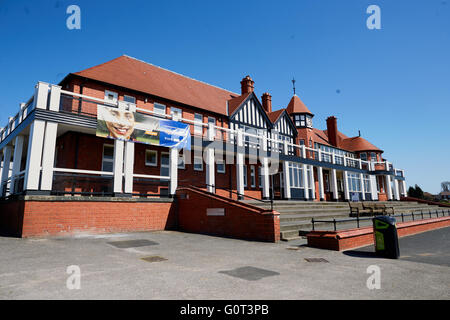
[(355, 238), (239, 221), (60, 216)]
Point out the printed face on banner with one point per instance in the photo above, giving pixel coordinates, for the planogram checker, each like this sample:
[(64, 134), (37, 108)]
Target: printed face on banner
[(125, 125), (120, 123)]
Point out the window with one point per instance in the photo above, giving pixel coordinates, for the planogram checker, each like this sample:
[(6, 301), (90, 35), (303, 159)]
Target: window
[(245, 176), (354, 182), (297, 120), (151, 158), (259, 177), (326, 182), (198, 121), (177, 114), (213, 121), (252, 176), (108, 158), (373, 157), (363, 156), (129, 99), (367, 186), (198, 163), (159, 109), (181, 161), (296, 175), (164, 171), (111, 96), (220, 166)]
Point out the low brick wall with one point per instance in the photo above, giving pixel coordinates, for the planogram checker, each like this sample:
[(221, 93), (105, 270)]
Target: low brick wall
[(31, 216), (238, 220), (354, 238)]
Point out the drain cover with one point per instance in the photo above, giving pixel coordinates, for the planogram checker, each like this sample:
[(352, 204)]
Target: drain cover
[(316, 260), (153, 259), (249, 273), (132, 243)]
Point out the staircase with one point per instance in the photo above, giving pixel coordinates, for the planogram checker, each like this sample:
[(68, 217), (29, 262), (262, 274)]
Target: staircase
[(295, 216)]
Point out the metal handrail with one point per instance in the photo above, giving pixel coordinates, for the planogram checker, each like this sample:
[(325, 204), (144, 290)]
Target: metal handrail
[(238, 194), (402, 215)]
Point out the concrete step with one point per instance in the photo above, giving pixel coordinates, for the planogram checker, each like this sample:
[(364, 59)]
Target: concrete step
[(312, 210), (308, 217)]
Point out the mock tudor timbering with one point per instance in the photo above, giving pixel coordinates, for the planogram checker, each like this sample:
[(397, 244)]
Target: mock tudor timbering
[(50, 146)]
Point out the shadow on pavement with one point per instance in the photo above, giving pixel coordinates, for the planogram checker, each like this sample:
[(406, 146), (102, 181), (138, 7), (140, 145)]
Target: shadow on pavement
[(361, 254)]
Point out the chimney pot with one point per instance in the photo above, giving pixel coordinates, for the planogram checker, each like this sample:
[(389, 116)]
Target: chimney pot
[(247, 85), (267, 102)]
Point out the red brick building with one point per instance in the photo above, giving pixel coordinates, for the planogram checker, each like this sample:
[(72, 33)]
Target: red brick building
[(240, 146)]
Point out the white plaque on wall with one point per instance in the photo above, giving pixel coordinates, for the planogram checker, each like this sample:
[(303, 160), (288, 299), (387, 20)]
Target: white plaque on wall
[(215, 211)]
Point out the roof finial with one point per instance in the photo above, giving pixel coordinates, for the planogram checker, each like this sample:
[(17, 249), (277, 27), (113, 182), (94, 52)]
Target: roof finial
[(293, 84)]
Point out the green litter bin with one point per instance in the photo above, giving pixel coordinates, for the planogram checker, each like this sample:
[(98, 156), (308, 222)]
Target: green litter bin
[(386, 237)]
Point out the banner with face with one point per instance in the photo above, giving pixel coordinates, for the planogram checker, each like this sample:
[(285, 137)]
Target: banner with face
[(125, 125)]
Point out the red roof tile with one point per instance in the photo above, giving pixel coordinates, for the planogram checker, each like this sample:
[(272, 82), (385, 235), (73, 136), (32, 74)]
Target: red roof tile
[(297, 106), (274, 115), (354, 144), (357, 144), (137, 75), (236, 102)]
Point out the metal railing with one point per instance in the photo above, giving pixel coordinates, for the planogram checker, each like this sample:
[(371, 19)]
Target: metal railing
[(270, 201), (428, 215)]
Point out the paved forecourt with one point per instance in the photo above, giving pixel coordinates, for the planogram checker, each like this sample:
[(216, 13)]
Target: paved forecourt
[(176, 265)]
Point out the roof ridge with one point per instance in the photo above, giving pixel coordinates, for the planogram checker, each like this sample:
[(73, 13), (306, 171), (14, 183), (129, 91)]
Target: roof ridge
[(182, 75)]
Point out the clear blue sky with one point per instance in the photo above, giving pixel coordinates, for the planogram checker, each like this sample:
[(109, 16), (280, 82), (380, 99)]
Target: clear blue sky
[(392, 84)]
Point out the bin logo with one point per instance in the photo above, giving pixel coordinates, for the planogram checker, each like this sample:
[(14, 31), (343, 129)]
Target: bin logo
[(379, 240)]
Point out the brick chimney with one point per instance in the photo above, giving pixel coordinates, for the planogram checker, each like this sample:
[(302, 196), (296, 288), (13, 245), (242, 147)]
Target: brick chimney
[(266, 99), (332, 131), (247, 85)]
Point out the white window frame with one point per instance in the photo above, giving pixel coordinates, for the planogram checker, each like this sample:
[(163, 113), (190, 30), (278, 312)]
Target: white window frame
[(177, 113), (151, 164), (107, 160), (159, 111), (296, 175), (198, 125), (114, 94)]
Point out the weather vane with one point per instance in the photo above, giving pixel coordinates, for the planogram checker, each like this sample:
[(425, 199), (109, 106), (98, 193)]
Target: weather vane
[(293, 84)]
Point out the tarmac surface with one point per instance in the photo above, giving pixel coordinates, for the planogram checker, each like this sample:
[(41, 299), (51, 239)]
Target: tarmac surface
[(176, 265)]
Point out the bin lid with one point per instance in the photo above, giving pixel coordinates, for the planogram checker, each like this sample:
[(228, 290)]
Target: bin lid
[(383, 222)]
